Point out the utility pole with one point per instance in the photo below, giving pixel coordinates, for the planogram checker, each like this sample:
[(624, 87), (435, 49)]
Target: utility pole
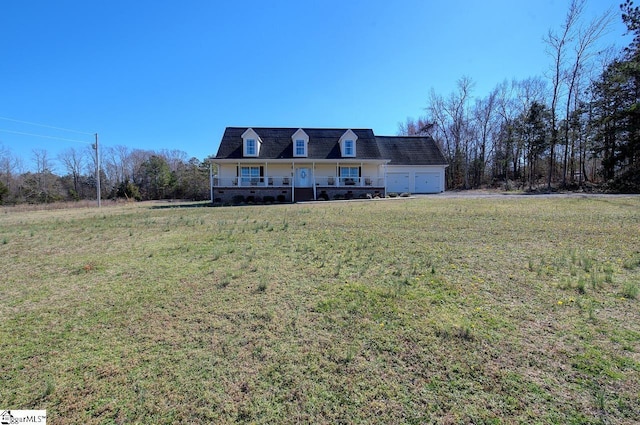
[(95, 146)]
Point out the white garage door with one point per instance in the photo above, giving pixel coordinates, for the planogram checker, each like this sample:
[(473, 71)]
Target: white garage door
[(398, 182), (427, 182)]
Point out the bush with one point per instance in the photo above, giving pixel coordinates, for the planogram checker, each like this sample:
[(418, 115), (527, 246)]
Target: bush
[(392, 195), (323, 196), (405, 194), (237, 199), (268, 199), (281, 198), (338, 196), (128, 190)]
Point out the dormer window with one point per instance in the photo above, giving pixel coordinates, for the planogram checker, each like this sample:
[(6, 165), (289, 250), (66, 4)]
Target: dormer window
[(251, 143), (348, 144), (250, 147), (300, 143), (301, 148), (348, 148)]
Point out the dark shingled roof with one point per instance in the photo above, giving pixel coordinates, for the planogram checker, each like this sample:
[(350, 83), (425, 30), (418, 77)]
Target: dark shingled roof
[(277, 143), (410, 150), (324, 144)]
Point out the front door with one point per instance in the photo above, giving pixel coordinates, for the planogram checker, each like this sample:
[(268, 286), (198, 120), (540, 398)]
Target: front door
[(303, 177)]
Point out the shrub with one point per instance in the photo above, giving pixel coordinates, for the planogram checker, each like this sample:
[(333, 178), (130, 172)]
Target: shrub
[(405, 194), (392, 195), (237, 199), (323, 196), (268, 199), (338, 196), (281, 198)]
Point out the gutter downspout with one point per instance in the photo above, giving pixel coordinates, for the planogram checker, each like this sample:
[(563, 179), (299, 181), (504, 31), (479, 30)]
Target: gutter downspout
[(385, 179)]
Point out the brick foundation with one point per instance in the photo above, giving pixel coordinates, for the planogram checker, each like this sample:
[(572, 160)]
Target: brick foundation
[(232, 195)]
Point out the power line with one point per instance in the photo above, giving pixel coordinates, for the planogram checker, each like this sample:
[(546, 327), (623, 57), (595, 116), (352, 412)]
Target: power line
[(45, 126), (47, 137)]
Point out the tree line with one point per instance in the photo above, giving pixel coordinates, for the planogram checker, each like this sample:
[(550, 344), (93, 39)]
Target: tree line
[(132, 174), (576, 127)]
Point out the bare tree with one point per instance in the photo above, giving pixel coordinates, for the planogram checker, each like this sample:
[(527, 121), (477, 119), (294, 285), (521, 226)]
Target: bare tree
[(585, 37), (174, 157), (485, 122), (73, 162), (557, 45), (452, 126), (415, 127)]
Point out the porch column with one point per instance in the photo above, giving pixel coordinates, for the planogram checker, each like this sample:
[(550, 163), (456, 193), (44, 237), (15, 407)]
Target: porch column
[(313, 180), (361, 175), (293, 179), (266, 175), (239, 175)]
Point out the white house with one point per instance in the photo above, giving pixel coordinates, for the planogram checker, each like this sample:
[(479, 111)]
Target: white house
[(297, 164)]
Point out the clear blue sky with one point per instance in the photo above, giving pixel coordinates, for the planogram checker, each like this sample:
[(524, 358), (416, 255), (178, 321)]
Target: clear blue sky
[(172, 74)]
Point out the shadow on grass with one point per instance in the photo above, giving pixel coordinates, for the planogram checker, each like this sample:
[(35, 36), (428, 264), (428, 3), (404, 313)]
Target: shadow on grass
[(175, 205)]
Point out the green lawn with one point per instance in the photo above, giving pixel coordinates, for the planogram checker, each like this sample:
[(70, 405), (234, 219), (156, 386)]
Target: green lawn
[(500, 310)]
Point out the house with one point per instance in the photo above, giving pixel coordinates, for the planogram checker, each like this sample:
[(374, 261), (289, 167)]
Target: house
[(299, 164)]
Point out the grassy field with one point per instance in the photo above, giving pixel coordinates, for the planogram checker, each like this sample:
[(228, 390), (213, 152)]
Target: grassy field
[(501, 310)]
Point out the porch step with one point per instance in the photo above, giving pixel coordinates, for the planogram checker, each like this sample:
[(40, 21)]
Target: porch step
[(303, 194)]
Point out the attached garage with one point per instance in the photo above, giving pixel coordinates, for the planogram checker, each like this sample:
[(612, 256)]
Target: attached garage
[(416, 164)]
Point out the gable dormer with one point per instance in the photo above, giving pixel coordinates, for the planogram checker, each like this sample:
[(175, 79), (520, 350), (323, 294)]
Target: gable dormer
[(348, 144), (251, 143), (300, 141)]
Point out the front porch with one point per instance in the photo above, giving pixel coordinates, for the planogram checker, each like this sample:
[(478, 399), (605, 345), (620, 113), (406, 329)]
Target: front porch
[(284, 188)]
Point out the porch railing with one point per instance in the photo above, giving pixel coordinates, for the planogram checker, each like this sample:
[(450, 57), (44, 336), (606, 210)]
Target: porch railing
[(284, 181), (349, 181), (270, 181)]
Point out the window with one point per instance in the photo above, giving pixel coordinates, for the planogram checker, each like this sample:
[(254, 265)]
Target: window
[(250, 147), (250, 176), (300, 141), (349, 175), (300, 148), (251, 143), (348, 144), (348, 148)]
